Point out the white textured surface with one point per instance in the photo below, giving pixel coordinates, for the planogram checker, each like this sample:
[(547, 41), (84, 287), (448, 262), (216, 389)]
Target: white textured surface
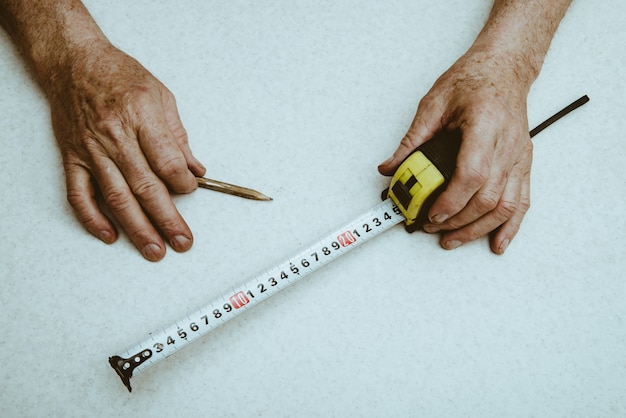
[(302, 100)]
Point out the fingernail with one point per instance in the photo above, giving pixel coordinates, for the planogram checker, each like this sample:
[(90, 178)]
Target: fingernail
[(387, 161), (439, 218), (451, 245), (431, 229), (152, 252), (504, 246), (181, 243), (106, 237)]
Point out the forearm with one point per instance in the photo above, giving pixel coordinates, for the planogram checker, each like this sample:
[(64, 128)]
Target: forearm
[(521, 31), (50, 33)]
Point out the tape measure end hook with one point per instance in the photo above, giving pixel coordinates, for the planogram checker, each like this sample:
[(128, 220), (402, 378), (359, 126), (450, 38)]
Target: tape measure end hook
[(124, 366), (118, 365)]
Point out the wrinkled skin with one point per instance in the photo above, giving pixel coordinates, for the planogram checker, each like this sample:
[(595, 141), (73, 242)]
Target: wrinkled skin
[(121, 138), (484, 95), (490, 189)]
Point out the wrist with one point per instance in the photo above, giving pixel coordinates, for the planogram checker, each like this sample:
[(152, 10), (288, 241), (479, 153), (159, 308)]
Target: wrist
[(511, 66), (61, 57), (518, 34), (55, 70), (51, 34), (510, 54)]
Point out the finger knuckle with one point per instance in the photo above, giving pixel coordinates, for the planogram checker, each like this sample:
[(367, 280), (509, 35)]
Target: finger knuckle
[(172, 226), (487, 201), (147, 188), (171, 167), (453, 225), (139, 96), (77, 198), (472, 234), (409, 141), (524, 205), (79, 201), (180, 134), (111, 111), (474, 176), (506, 209), (117, 199), (108, 126)]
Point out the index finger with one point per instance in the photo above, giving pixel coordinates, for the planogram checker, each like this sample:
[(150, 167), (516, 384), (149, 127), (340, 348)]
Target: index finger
[(156, 202), (428, 120), (472, 171), (163, 153)]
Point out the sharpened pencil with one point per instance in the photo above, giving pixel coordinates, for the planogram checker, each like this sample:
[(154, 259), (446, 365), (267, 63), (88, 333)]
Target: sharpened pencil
[(220, 186)]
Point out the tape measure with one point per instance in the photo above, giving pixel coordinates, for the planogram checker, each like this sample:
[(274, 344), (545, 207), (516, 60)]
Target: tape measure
[(422, 177), (413, 188), (236, 300)]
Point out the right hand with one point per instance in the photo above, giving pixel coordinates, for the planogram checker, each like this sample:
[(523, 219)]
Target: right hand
[(489, 192)]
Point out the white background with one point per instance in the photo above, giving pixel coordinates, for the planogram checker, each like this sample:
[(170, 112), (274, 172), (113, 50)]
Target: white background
[(302, 100)]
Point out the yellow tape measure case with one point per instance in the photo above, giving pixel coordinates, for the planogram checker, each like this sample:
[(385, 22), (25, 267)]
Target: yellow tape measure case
[(422, 176)]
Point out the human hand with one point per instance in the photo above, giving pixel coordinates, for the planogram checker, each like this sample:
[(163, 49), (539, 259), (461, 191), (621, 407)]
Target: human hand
[(484, 95), (121, 139)]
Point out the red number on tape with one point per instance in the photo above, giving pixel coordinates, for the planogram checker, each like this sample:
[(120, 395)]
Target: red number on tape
[(346, 239), (238, 300)]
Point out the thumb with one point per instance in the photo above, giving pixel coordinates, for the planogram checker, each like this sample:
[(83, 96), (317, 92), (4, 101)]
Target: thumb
[(427, 122)]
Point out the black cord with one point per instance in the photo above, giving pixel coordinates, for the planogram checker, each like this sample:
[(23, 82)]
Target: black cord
[(578, 103)]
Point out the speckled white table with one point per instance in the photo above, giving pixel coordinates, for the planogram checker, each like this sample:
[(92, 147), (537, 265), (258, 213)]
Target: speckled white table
[(302, 100)]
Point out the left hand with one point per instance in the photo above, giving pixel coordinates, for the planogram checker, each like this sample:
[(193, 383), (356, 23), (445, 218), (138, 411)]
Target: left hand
[(121, 137)]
